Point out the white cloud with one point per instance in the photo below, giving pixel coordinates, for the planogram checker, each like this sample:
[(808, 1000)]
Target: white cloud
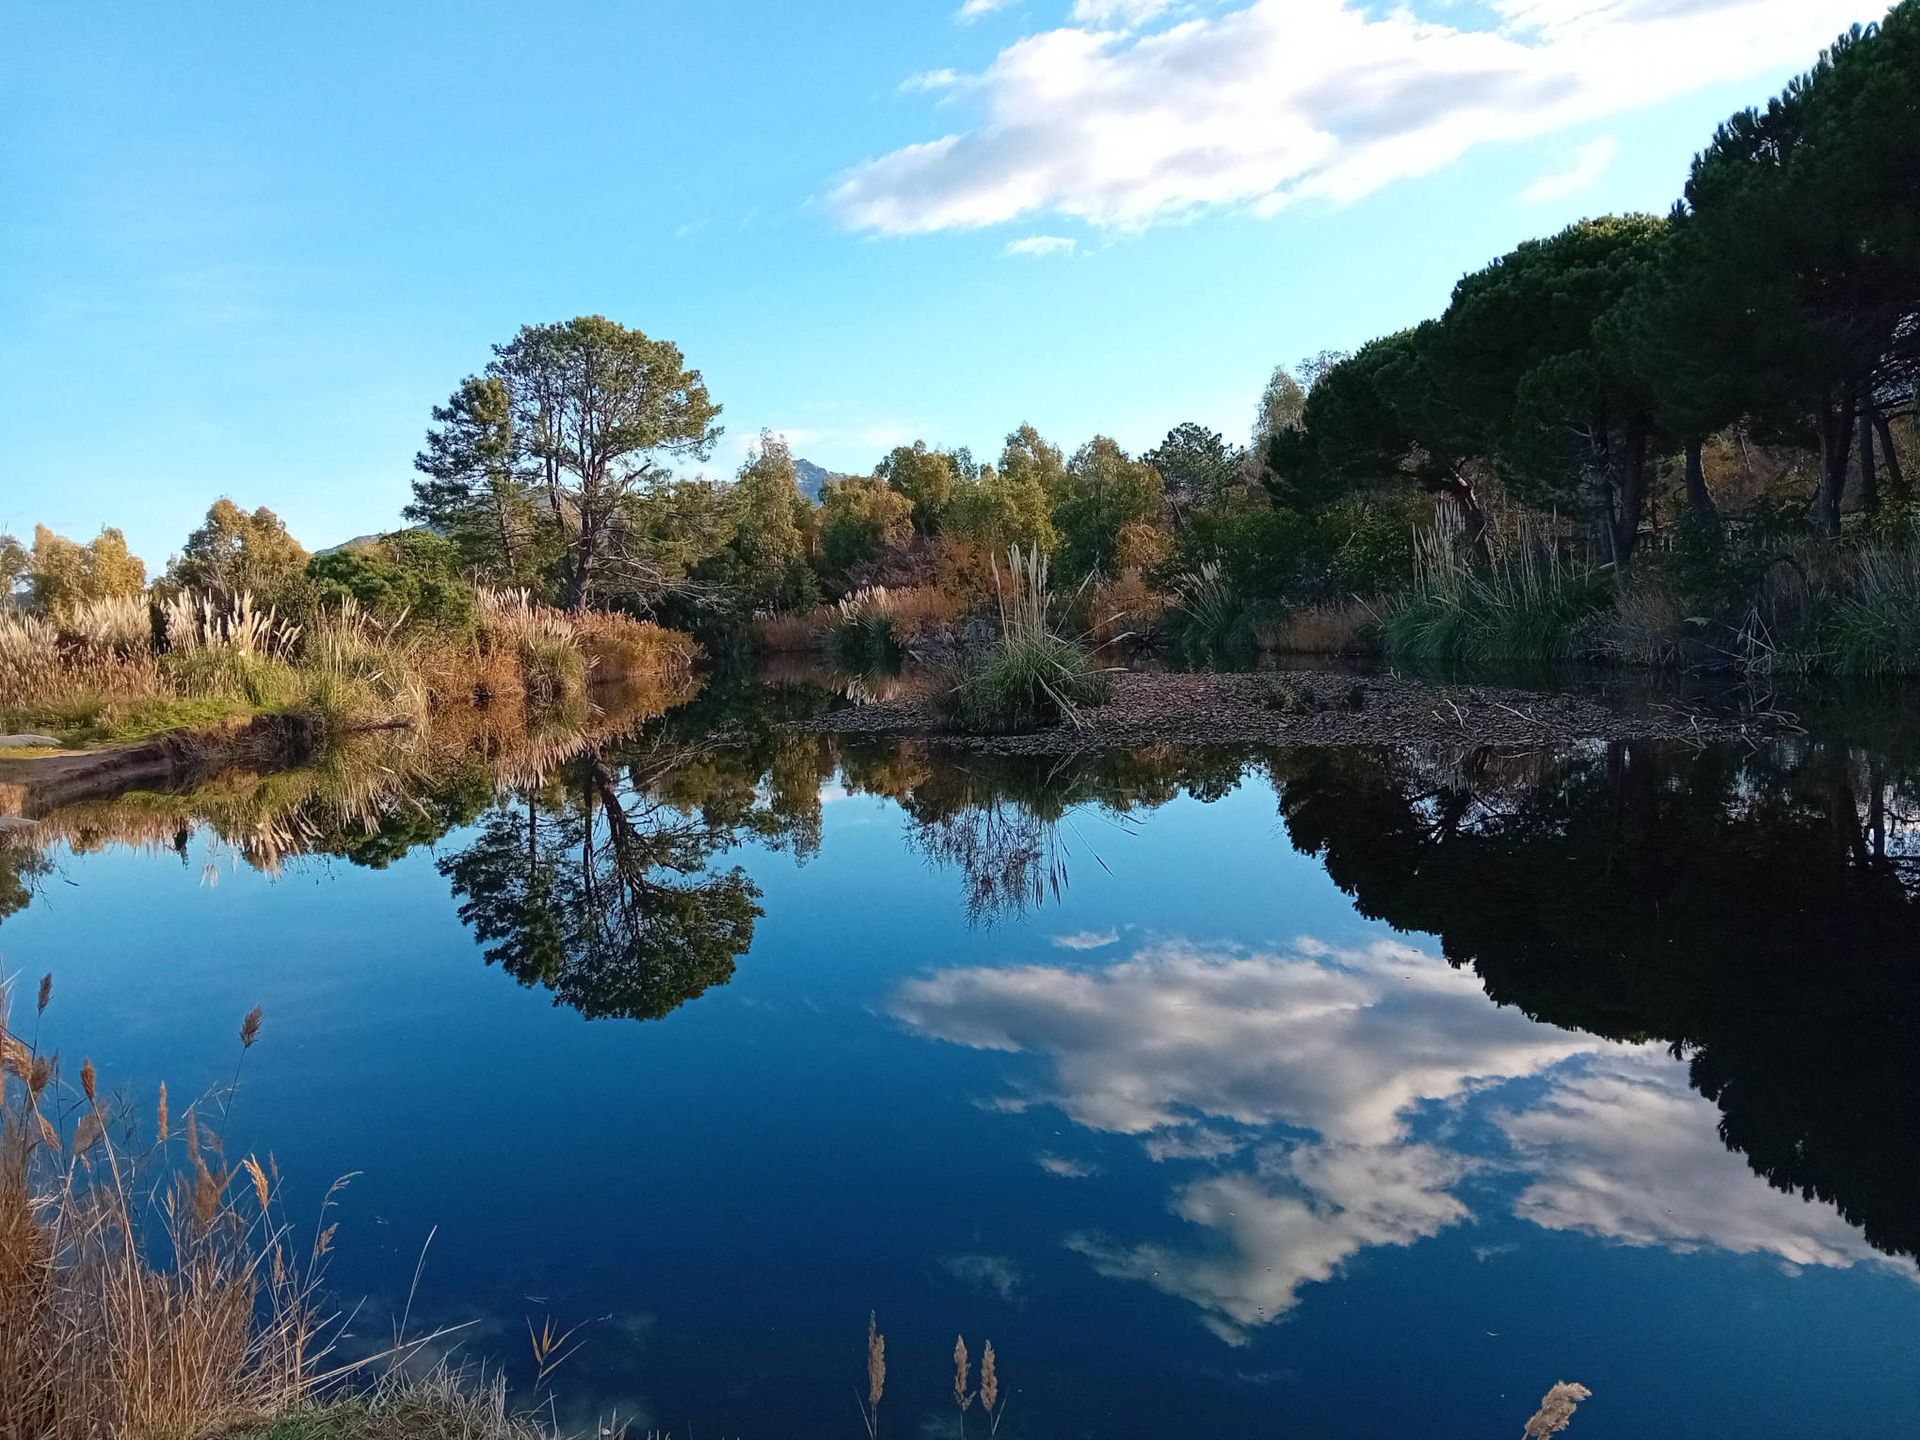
[(1033, 247), (1118, 14), (993, 1275), (930, 80), (1087, 940), (1276, 101), (1065, 1167), (974, 9), (1317, 1207), (1342, 1042), (1583, 167)]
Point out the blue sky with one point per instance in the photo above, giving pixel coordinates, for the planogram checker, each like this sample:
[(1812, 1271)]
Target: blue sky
[(245, 247)]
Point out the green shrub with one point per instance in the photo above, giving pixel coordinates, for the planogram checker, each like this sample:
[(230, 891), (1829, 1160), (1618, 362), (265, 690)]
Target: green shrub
[(411, 575)]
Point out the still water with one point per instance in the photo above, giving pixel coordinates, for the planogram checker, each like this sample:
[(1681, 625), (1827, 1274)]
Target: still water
[(1289, 1093)]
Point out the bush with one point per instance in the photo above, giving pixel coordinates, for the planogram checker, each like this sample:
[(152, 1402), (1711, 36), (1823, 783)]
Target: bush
[(862, 639), (409, 576), (1026, 681)]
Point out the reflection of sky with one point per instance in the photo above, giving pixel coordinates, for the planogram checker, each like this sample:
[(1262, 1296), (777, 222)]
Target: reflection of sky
[(1322, 1092)]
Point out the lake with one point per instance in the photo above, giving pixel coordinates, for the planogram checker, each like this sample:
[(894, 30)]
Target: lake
[(1316, 1092)]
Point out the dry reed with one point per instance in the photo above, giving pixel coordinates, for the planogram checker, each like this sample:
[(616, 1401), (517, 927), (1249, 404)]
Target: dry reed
[(1339, 628), (146, 1290), (1556, 1409)]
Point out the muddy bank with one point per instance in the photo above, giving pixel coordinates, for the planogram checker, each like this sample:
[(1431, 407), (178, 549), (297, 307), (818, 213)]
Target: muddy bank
[(1315, 708)]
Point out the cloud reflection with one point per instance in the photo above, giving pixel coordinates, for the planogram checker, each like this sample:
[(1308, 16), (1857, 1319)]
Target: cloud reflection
[(1305, 1087)]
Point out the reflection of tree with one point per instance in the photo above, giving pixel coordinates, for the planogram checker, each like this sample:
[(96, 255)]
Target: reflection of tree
[(21, 867), (1010, 825), (604, 893), (1756, 912)]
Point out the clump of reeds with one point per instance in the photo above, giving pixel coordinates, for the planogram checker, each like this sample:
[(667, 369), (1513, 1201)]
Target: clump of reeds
[(1524, 602), (29, 661), (862, 637), (197, 623), (1873, 626), (116, 624), (1031, 674), (147, 1287), (542, 639), (789, 632), (1212, 616)]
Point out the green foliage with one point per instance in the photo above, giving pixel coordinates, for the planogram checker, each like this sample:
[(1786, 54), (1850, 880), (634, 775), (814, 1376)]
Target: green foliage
[(411, 574), (1874, 626), (995, 510), (1104, 491), (924, 477), (543, 465), (235, 550), (1024, 681), (1027, 459), (861, 519), (766, 557), (1197, 466)]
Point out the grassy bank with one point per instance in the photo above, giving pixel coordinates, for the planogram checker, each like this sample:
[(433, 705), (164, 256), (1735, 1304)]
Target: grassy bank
[(135, 666)]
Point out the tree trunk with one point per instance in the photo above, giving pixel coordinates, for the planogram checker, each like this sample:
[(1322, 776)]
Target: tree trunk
[(1869, 473), (1630, 492), (1896, 480), (1699, 497), (1836, 449)]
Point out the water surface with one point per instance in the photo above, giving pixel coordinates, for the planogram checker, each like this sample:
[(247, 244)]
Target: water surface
[(1315, 1092)]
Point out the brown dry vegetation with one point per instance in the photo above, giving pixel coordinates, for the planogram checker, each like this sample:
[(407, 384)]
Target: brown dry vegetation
[(128, 668), (148, 1288)]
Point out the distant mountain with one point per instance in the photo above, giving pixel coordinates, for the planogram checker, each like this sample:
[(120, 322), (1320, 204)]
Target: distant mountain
[(812, 477)]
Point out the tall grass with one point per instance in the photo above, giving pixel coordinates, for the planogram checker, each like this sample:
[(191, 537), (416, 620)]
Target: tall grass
[(1873, 626), (1212, 616), (862, 638), (1525, 602), (126, 669), (147, 1287), (1339, 628), (1031, 674)]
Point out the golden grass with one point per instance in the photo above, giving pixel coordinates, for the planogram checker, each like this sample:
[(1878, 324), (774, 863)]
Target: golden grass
[(147, 1288), (98, 672), (906, 612), (1124, 607)]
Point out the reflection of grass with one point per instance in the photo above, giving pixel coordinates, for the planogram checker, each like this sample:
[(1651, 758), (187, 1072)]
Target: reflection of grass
[(95, 718)]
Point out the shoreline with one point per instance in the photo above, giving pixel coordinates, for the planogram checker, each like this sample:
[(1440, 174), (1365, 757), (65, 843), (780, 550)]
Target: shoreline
[(1311, 707)]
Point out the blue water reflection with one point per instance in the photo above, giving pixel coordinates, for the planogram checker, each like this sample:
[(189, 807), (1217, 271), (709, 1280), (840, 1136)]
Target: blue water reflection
[(1101, 1065)]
